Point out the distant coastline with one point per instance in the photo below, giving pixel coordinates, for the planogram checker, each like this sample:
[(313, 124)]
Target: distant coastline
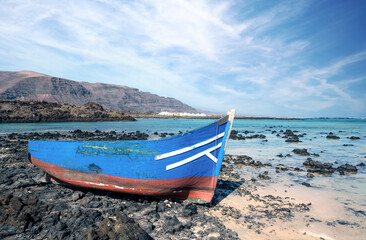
[(155, 115), (18, 111)]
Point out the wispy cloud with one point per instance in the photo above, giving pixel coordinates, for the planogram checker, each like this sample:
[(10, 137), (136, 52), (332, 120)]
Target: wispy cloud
[(313, 88)]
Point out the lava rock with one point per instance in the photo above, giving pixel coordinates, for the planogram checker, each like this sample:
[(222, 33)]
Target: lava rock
[(309, 175), (301, 151), (354, 138), (318, 167), (121, 228), (347, 169), (332, 136), (264, 176), (172, 224)]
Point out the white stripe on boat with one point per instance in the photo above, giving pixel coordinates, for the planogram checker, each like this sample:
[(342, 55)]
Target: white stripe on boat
[(211, 157), (186, 149), (194, 157)]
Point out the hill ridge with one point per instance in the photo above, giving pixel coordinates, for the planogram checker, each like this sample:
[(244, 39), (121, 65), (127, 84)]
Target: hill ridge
[(30, 85)]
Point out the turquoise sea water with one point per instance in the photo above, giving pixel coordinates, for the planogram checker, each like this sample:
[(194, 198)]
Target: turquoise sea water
[(357, 126), (349, 191), (315, 140)]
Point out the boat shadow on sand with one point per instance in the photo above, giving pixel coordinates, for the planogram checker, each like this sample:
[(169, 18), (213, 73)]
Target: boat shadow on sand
[(224, 188)]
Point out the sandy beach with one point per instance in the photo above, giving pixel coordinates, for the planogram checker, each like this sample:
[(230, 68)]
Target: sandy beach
[(284, 211)]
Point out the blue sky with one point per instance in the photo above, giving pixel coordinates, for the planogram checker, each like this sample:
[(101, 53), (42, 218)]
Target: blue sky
[(264, 58)]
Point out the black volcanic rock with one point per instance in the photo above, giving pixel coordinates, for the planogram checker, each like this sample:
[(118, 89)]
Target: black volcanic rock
[(347, 168), (312, 166), (291, 136), (301, 151), (327, 169), (354, 138), (32, 111), (27, 85), (121, 228), (32, 208), (332, 136)]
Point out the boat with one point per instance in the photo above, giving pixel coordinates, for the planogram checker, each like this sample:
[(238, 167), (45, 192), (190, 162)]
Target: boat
[(184, 167)]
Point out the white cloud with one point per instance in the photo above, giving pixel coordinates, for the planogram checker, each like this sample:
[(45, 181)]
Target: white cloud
[(309, 84)]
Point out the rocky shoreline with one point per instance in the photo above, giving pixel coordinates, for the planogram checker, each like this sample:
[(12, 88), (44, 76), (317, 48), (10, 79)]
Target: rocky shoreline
[(14, 111), (17, 111), (31, 207)]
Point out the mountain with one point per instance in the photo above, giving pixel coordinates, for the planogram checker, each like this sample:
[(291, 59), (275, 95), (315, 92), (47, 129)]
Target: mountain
[(27, 85)]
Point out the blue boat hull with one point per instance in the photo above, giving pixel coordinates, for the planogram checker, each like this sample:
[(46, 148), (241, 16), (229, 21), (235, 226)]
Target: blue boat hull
[(185, 166)]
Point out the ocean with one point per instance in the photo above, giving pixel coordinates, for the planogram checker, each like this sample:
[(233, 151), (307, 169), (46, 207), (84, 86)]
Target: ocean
[(334, 198)]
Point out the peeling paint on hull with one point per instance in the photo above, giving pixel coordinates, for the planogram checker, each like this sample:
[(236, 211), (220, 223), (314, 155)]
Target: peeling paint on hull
[(196, 189)]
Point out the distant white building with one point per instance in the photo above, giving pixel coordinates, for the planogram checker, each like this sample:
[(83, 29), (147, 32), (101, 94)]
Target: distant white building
[(165, 114), (184, 114), (192, 114)]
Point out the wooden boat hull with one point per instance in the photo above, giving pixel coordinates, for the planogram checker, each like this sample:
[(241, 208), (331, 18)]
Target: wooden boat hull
[(184, 167)]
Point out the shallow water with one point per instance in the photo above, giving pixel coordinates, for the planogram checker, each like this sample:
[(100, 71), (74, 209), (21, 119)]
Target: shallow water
[(338, 202), (334, 198)]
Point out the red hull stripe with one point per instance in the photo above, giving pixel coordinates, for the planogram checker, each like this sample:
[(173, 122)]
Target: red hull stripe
[(201, 188)]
